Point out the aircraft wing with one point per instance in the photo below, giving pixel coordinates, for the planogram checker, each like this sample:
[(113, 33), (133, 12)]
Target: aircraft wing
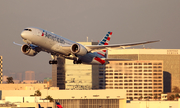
[(103, 47)]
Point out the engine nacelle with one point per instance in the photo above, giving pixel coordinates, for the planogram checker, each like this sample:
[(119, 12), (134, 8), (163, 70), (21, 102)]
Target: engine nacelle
[(78, 49), (29, 50)]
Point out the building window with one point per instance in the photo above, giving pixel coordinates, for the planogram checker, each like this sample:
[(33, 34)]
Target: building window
[(120, 63)]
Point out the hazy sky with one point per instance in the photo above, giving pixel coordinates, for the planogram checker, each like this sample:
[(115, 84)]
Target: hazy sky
[(129, 20)]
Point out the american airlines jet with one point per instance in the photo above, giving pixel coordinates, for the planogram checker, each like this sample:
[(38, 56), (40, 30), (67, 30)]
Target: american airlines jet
[(38, 39)]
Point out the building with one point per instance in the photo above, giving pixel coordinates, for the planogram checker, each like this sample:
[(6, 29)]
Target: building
[(81, 76), (68, 98), (4, 79), (141, 79), (170, 58), (69, 76), (92, 103), (1, 70), (58, 73), (48, 81), (29, 75)]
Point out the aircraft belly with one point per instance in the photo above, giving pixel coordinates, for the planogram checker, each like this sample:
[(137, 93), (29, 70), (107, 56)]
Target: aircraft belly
[(89, 59), (92, 58), (86, 58)]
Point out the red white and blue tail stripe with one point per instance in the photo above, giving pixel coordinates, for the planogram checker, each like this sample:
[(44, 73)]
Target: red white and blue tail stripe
[(58, 105), (106, 39)]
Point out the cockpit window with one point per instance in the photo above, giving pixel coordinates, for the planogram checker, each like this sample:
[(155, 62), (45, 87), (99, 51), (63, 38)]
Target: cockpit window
[(27, 29)]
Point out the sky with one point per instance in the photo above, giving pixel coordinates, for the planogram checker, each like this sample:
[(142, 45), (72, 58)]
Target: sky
[(129, 20)]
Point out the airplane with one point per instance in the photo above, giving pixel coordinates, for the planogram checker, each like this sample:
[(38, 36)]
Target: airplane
[(38, 39), (58, 105)]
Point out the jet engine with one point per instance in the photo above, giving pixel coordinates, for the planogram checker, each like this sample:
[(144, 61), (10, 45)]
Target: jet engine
[(30, 50), (78, 49)]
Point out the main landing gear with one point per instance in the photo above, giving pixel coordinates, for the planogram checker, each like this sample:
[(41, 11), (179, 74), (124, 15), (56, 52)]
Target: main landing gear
[(54, 61)]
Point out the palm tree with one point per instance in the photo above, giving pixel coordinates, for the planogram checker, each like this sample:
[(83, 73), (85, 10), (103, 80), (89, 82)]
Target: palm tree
[(10, 80), (171, 97), (177, 96), (37, 93), (49, 98)]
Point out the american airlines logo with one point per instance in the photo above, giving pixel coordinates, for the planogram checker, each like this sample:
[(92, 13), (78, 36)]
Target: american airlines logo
[(53, 37)]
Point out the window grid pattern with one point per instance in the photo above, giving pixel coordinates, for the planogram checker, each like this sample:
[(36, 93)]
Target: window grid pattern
[(140, 78)]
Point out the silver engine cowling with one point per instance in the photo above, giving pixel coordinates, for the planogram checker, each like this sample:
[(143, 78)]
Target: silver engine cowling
[(78, 49), (29, 50)]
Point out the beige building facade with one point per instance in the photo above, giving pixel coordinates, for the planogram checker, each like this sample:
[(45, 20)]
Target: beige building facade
[(140, 78), (170, 58)]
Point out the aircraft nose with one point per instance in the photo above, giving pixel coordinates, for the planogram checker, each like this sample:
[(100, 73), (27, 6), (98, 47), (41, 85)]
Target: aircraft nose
[(23, 34)]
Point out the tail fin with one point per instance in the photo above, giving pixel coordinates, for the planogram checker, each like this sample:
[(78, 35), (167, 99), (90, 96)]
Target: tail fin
[(39, 105), (105, 41), (58, 105)]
